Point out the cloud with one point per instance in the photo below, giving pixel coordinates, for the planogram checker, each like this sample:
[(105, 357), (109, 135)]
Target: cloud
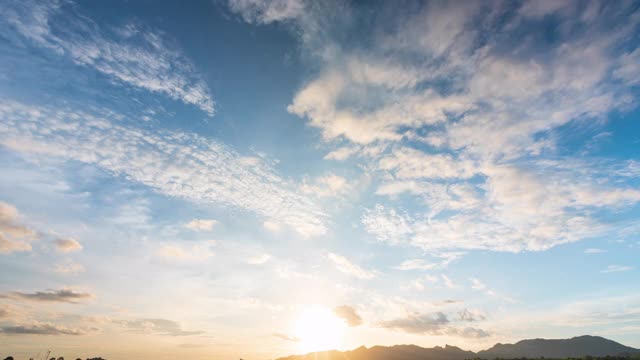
[(14, 237), (348, 314), (448, 282), (201, 224), (272, 226), (470, 315), (477, 284), (455, 118), (594, 251), (184, 252), (344, 265), (286, 337), (181, 165), (133, 55), (258, 259), (267, 11), (431, 324), (65, 295), (40, 329), (469, 332), (328, 185), (415, 264), (617, 268), (67, 245), (157, 326)]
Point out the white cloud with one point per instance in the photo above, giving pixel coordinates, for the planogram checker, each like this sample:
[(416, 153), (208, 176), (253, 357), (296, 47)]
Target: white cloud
[(65, 245), (132, 55), (485, 132), (617, 268), (327, 185), (186, 252), (267, 11), (14, 237), (407, 163), (272, 226), (258, 259), (477, 284), (448, 282), (176, 164), (416, 264), (594, 251), (201, 224), (344, 265)]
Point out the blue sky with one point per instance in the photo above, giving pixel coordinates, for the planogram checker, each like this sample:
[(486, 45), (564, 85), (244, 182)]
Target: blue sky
[(193, 180)]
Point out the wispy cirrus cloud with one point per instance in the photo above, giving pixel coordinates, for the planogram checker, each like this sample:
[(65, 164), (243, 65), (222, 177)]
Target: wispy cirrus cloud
[(346, 266), (617, 268), (132, 54), (157, 326), (176, 164)]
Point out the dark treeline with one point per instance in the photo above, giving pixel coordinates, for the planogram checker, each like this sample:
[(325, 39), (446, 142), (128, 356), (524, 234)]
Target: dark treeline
[(608, 357)]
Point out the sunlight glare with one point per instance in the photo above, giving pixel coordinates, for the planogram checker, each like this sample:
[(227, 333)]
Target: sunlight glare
[(318, 329)]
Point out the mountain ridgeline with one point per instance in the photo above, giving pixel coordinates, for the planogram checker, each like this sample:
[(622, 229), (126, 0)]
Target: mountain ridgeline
[(577, 347)]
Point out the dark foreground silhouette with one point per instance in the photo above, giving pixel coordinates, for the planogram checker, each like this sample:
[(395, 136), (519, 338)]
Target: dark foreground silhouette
[(577, 347), (581, 347)]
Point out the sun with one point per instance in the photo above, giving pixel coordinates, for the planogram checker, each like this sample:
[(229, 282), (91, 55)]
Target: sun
[(318, 329)]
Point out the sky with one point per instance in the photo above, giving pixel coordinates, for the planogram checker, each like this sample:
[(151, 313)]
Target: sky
[(255, 179)]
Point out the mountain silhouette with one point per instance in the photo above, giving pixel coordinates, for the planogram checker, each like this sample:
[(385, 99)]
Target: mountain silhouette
[(557, 348)]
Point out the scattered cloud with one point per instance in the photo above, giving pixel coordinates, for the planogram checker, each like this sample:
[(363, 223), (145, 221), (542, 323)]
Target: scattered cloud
[(201, 224), (415, 264), (477, 284), (272, 226), (186, 252), (344, 265), (470, 315), (132, 55), (67, 245), (348, 314), (157, 326), (328, 185), (40, 329), (448, 282), (442, 113), (65, 295), (182, 165), (258, 259), (594, 251), (265, 12), (432, 324), (617, 268), (14, 237)]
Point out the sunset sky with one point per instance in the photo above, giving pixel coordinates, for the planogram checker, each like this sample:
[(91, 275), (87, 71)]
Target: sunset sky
[(216, 180)]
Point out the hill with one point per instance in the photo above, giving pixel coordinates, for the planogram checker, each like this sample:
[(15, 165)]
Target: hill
[(580, 346)]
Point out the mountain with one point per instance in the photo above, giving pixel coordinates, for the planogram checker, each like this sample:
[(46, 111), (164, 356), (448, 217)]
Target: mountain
[(397, 352), (562, 348)]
